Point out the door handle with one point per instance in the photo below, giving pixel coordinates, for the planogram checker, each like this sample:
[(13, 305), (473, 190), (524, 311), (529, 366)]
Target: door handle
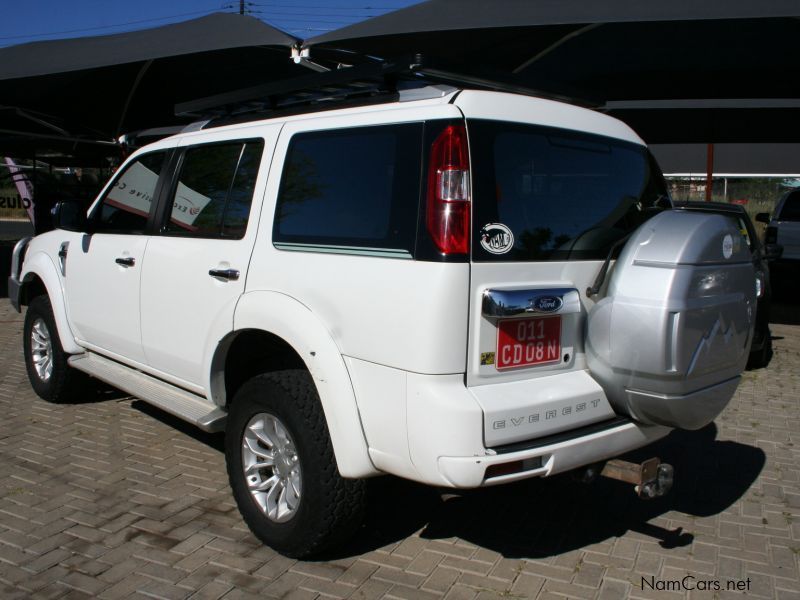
[(229, 274), (127, 261)]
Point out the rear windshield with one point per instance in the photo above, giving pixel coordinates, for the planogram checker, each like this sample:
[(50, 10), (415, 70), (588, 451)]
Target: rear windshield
[(791, 208), (544, 194)]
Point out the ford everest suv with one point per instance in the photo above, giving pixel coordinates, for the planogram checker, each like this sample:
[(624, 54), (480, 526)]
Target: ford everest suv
[(459, 287)]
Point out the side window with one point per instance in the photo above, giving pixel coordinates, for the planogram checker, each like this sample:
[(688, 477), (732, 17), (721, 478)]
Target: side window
[(215, 189), (352, 188), (126, 205), (791, 208)]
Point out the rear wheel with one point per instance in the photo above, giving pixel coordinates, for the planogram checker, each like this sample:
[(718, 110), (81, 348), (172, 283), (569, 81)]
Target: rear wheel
[(282, 468), (762, 357), (45, 360)]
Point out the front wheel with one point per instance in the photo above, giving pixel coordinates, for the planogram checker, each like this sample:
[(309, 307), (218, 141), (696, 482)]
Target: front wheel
[(282, 468), (50, 375)]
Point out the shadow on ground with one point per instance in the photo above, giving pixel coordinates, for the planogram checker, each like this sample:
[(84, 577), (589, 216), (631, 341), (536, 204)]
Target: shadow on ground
[(213, 440), (544, 517), (785, 308)]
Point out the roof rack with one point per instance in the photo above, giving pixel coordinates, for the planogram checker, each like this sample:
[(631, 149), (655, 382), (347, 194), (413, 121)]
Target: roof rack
[(366, 83)]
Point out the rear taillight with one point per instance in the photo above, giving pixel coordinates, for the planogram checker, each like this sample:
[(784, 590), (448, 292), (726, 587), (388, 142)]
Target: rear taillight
[(771, 235), (447, 214)]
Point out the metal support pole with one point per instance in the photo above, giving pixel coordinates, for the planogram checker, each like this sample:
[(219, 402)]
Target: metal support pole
[(709, 171)]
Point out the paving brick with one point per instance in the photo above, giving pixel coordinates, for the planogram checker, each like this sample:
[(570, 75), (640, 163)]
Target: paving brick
[(467, 566), (284, 584), (275, 567), (407, 593), (102, 499), (357, 573), (191, 543), (213, 590), (441, 580), (163, 591), (83, 583), (461, 592), (320, 570)]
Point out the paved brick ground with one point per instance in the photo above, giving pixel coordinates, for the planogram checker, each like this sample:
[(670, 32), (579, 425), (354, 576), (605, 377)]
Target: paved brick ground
[(112, 498)]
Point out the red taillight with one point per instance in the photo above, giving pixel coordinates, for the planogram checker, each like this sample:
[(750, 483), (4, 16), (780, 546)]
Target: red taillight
[(448, 191)]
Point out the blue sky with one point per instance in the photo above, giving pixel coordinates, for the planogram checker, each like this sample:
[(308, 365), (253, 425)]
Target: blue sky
[(33, 20)]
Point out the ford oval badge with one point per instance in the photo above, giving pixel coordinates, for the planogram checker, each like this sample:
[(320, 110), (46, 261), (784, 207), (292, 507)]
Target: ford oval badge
[(546, 303)]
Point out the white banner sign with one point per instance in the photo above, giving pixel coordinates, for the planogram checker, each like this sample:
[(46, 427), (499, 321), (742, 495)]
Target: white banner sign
[(133, 192)]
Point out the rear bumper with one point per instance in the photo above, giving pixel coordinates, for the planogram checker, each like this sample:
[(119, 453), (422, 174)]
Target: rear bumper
[(445, 433), (556, 457)]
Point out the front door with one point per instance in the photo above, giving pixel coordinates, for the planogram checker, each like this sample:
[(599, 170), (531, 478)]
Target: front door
[(102, 269), (195, 267)]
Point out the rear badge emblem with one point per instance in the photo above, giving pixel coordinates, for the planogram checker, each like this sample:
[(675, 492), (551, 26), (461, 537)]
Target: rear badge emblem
[(727, 246), (545, 304), (496, 238)]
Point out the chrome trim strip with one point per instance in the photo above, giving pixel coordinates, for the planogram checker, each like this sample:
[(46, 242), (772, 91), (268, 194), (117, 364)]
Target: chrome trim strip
[(510, 303), (353, 250)]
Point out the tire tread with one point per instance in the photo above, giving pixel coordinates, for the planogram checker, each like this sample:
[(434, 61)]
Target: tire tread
[(340, 504)]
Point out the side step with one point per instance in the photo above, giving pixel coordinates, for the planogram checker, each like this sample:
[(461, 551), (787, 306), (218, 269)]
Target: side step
[(184, 405)]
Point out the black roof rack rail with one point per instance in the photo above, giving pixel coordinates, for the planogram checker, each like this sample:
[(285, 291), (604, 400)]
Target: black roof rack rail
[(365, 83), (359, 80)]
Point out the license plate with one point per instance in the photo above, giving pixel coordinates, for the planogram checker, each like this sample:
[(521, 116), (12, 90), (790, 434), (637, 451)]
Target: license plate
[(526, 342)]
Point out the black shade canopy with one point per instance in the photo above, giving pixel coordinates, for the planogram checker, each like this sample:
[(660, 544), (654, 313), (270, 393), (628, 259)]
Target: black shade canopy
[(616, 50), (66, 94)]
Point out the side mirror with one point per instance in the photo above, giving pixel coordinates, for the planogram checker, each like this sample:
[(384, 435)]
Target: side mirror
[(773, 251), (762, 218), (70, 216)]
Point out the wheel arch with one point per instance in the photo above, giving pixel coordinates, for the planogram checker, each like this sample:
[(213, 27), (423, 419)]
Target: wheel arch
[(39, 274), (288, 335)]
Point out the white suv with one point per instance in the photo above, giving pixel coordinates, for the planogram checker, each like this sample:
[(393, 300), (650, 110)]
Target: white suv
[(418, 287)]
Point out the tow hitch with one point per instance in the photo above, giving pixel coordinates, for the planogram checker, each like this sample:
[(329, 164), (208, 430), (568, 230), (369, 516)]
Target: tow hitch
[(651, 479)]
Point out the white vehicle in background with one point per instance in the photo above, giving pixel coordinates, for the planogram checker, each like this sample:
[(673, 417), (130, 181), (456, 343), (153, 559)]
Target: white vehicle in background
[(421, 285)]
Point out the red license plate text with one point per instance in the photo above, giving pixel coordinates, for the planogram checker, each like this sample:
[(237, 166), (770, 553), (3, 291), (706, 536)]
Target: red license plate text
[(525, 342)]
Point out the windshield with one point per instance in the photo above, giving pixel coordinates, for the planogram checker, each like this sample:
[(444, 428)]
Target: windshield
[(550, 194)]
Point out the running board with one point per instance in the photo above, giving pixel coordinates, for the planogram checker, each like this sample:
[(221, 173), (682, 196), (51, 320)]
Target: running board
[(184, 405)]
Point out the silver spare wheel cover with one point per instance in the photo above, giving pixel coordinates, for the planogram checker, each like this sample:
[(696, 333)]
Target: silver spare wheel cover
[(671, 336)]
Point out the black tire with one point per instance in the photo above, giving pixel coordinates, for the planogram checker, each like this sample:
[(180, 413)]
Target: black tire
[(761, 358), (330, 508), (64, 383)]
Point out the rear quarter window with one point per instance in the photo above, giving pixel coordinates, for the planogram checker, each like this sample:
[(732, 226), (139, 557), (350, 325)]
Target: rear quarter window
[(350, 188)]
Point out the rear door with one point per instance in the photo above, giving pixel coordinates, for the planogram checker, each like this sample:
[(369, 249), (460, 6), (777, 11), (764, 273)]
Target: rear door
[(549, 204), (195, 265)]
